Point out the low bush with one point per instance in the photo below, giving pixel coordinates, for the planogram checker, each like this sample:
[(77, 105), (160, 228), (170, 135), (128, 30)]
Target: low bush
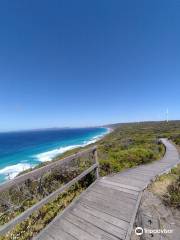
[(173, 195), (127, 146)]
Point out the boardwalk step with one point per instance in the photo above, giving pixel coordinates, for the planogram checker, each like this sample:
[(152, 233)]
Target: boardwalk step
[(107, 209)]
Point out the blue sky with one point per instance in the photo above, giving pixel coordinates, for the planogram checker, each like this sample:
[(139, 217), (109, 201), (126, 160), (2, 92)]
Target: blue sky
[(78, 63)]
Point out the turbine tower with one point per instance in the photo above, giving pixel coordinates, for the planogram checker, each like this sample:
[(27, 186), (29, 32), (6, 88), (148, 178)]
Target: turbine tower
[(167, 115)]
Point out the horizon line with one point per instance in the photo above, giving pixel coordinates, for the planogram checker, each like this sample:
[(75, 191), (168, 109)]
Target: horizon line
[(76, 127)]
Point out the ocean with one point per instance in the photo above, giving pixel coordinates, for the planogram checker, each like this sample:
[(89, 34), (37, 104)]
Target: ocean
[(25, 149)]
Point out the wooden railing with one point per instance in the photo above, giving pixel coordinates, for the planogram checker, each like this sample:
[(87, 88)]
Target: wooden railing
[(36, 174)]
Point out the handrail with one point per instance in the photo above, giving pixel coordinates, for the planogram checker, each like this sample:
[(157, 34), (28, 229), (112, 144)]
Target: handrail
[(36, 173), (8, 226)]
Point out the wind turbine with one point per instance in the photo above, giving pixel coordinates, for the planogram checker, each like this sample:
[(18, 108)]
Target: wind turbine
[(167, 115)]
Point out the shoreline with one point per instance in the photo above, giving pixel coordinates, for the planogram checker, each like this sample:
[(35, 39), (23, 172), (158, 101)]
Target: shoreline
[(92, 141), (75, 147), (12, 171), (89, 142)]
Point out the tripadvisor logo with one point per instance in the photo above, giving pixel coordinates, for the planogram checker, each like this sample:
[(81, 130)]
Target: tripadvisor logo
[(139, 231)]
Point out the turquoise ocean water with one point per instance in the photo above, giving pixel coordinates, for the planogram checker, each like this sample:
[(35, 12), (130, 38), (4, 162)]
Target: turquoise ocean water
[(22, 150)]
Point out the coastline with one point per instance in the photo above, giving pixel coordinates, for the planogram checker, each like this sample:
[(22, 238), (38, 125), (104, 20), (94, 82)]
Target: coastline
[(75, 147), (47, 157)]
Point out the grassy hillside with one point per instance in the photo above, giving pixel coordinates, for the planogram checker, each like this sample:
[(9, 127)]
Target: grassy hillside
[(130, 144), (127, 146), (135, 143), (167, 187)]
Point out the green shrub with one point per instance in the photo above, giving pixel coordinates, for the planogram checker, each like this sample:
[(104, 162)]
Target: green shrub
[(172, 197), (127, 146)]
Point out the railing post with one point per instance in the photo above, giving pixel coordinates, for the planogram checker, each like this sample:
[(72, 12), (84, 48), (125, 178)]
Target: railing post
[(96, 160)]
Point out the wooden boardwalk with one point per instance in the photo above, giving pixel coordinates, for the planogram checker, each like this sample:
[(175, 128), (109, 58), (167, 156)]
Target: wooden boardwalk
[(107, 209)]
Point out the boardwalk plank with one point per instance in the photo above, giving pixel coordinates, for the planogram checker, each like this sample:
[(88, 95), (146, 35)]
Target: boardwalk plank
[(107, 210), (74, 230), (61, 234), (110, 199), (124, 214), (122, 206), (93, 224), (120, 184), (116, 187), (113, 192), (127, 180), (104, 216)]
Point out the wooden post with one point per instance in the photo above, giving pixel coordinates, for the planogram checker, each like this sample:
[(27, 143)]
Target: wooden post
[(96, 160), (12, 223)]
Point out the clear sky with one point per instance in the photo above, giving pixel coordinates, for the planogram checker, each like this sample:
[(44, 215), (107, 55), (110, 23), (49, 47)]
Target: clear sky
[(78, 63)]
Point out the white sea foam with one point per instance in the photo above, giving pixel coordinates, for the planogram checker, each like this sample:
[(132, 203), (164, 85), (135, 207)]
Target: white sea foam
[(48, 156), (13, 170), (93, 140), (96, 138)]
